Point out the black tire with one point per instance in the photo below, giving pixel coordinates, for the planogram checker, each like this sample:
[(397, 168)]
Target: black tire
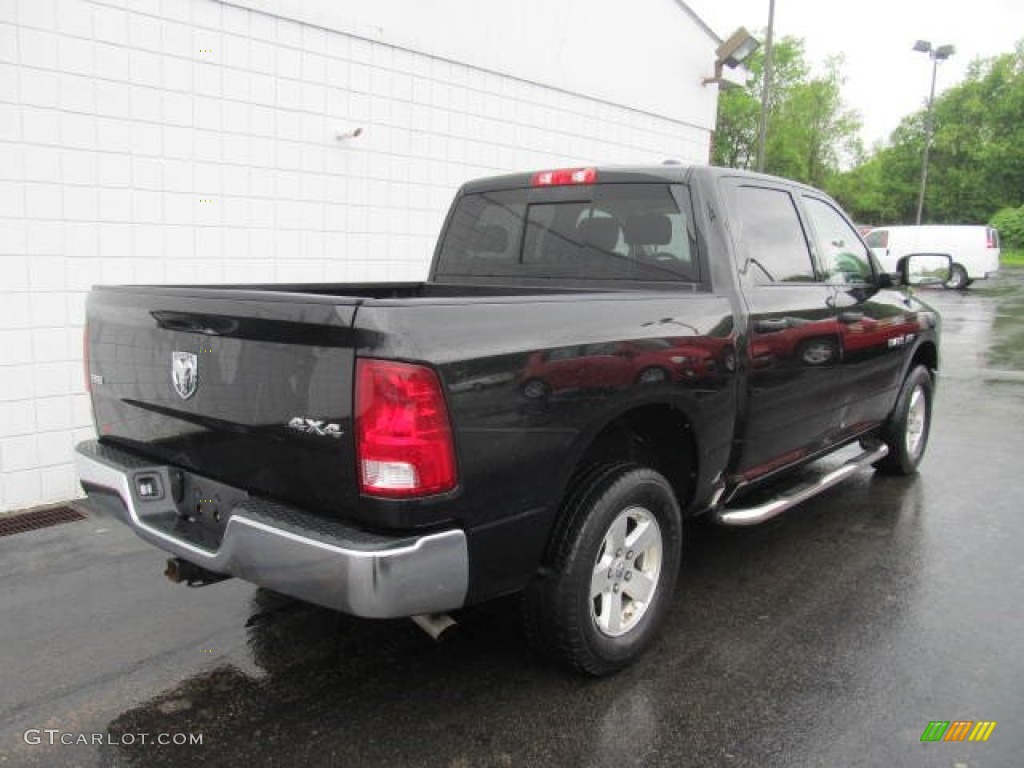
[(958, 280), (563, 619), (905, 451)]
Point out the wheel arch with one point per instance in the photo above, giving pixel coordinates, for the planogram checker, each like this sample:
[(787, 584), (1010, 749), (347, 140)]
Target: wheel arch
[(646, 434), (926, 354), (651, 435)]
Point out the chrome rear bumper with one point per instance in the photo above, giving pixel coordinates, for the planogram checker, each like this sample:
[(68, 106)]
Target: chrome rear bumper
[(288, 550)]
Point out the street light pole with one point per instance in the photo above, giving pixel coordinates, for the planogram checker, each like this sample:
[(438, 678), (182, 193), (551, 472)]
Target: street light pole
[(941, 53), (762, 128), (927, 143)]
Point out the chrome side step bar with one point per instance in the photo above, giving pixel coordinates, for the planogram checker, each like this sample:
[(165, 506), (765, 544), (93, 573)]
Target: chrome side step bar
[(800, 493)]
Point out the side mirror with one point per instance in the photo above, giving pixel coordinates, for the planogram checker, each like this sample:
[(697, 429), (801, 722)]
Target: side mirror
[(925, 268)]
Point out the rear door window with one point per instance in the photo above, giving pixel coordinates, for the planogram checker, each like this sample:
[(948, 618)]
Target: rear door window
[(774, 244), (606, 232)]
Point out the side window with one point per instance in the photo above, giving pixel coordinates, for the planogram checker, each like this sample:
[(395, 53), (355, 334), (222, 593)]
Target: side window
[(776, 249), (564, 353), (843, 257), (604, 349)]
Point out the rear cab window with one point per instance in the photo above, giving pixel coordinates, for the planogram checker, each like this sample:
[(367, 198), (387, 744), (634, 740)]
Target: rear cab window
[(605, 232)]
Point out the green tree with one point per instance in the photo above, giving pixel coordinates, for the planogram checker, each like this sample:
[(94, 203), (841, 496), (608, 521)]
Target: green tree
[(1010, 223), (811, 132), (739, 109), (976, 166), (979, 133), (808, 129), (883, 187)]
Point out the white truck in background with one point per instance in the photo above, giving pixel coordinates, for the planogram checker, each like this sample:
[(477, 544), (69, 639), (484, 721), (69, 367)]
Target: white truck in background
[(974, 249)]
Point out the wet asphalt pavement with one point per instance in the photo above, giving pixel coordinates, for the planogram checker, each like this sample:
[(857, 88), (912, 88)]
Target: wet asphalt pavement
[(828, 637)]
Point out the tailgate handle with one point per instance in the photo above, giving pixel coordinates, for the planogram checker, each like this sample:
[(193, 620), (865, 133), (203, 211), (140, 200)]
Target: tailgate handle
[(211, 325)]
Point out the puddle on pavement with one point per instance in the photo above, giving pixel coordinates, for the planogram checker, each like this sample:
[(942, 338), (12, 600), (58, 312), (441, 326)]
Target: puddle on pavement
[(1006, 351)]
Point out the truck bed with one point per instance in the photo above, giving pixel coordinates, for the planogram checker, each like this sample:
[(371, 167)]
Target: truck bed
[(271, 409)]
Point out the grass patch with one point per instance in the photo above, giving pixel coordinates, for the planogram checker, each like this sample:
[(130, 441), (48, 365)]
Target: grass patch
[(1014, 258)]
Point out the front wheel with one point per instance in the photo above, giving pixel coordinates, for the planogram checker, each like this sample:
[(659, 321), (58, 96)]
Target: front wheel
[(613, 568), (906, 431)]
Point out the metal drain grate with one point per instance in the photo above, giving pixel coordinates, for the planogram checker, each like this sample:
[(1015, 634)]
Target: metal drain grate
[(33, 520)]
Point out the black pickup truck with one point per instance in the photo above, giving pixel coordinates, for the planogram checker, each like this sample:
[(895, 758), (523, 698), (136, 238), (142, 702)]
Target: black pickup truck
[(597, 355)]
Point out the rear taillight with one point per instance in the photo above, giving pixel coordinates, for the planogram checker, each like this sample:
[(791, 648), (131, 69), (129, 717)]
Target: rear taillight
[(991, 238), (565, 176), (404, 440)]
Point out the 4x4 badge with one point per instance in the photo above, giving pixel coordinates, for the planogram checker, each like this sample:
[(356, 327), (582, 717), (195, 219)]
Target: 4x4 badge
[(315, 427), (184, 373)]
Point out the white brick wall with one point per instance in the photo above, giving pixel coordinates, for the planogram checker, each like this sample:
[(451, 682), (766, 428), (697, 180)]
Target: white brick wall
[(192, 141)]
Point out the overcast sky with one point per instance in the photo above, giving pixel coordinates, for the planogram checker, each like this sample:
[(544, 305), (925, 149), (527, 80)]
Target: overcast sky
[(885, 79)]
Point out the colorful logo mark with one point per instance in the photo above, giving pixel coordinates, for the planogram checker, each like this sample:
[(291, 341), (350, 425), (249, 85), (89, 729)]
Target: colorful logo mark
[(958, 730)]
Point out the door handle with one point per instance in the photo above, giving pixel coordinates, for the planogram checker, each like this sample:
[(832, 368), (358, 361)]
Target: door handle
[(851, 317), (771, 326)]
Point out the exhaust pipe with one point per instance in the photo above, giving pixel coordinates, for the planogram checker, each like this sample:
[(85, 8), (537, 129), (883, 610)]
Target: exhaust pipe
[(434, 624), (179, 571)]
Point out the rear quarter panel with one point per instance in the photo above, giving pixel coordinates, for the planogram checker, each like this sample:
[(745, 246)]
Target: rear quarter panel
[(517, 448)]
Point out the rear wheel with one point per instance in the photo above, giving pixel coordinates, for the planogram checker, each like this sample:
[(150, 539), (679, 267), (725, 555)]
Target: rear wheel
[(906, 432), (613, 568), (958, 279)]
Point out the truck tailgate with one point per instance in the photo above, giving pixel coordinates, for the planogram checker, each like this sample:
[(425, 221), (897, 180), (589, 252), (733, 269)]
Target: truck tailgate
[(253, 391)]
